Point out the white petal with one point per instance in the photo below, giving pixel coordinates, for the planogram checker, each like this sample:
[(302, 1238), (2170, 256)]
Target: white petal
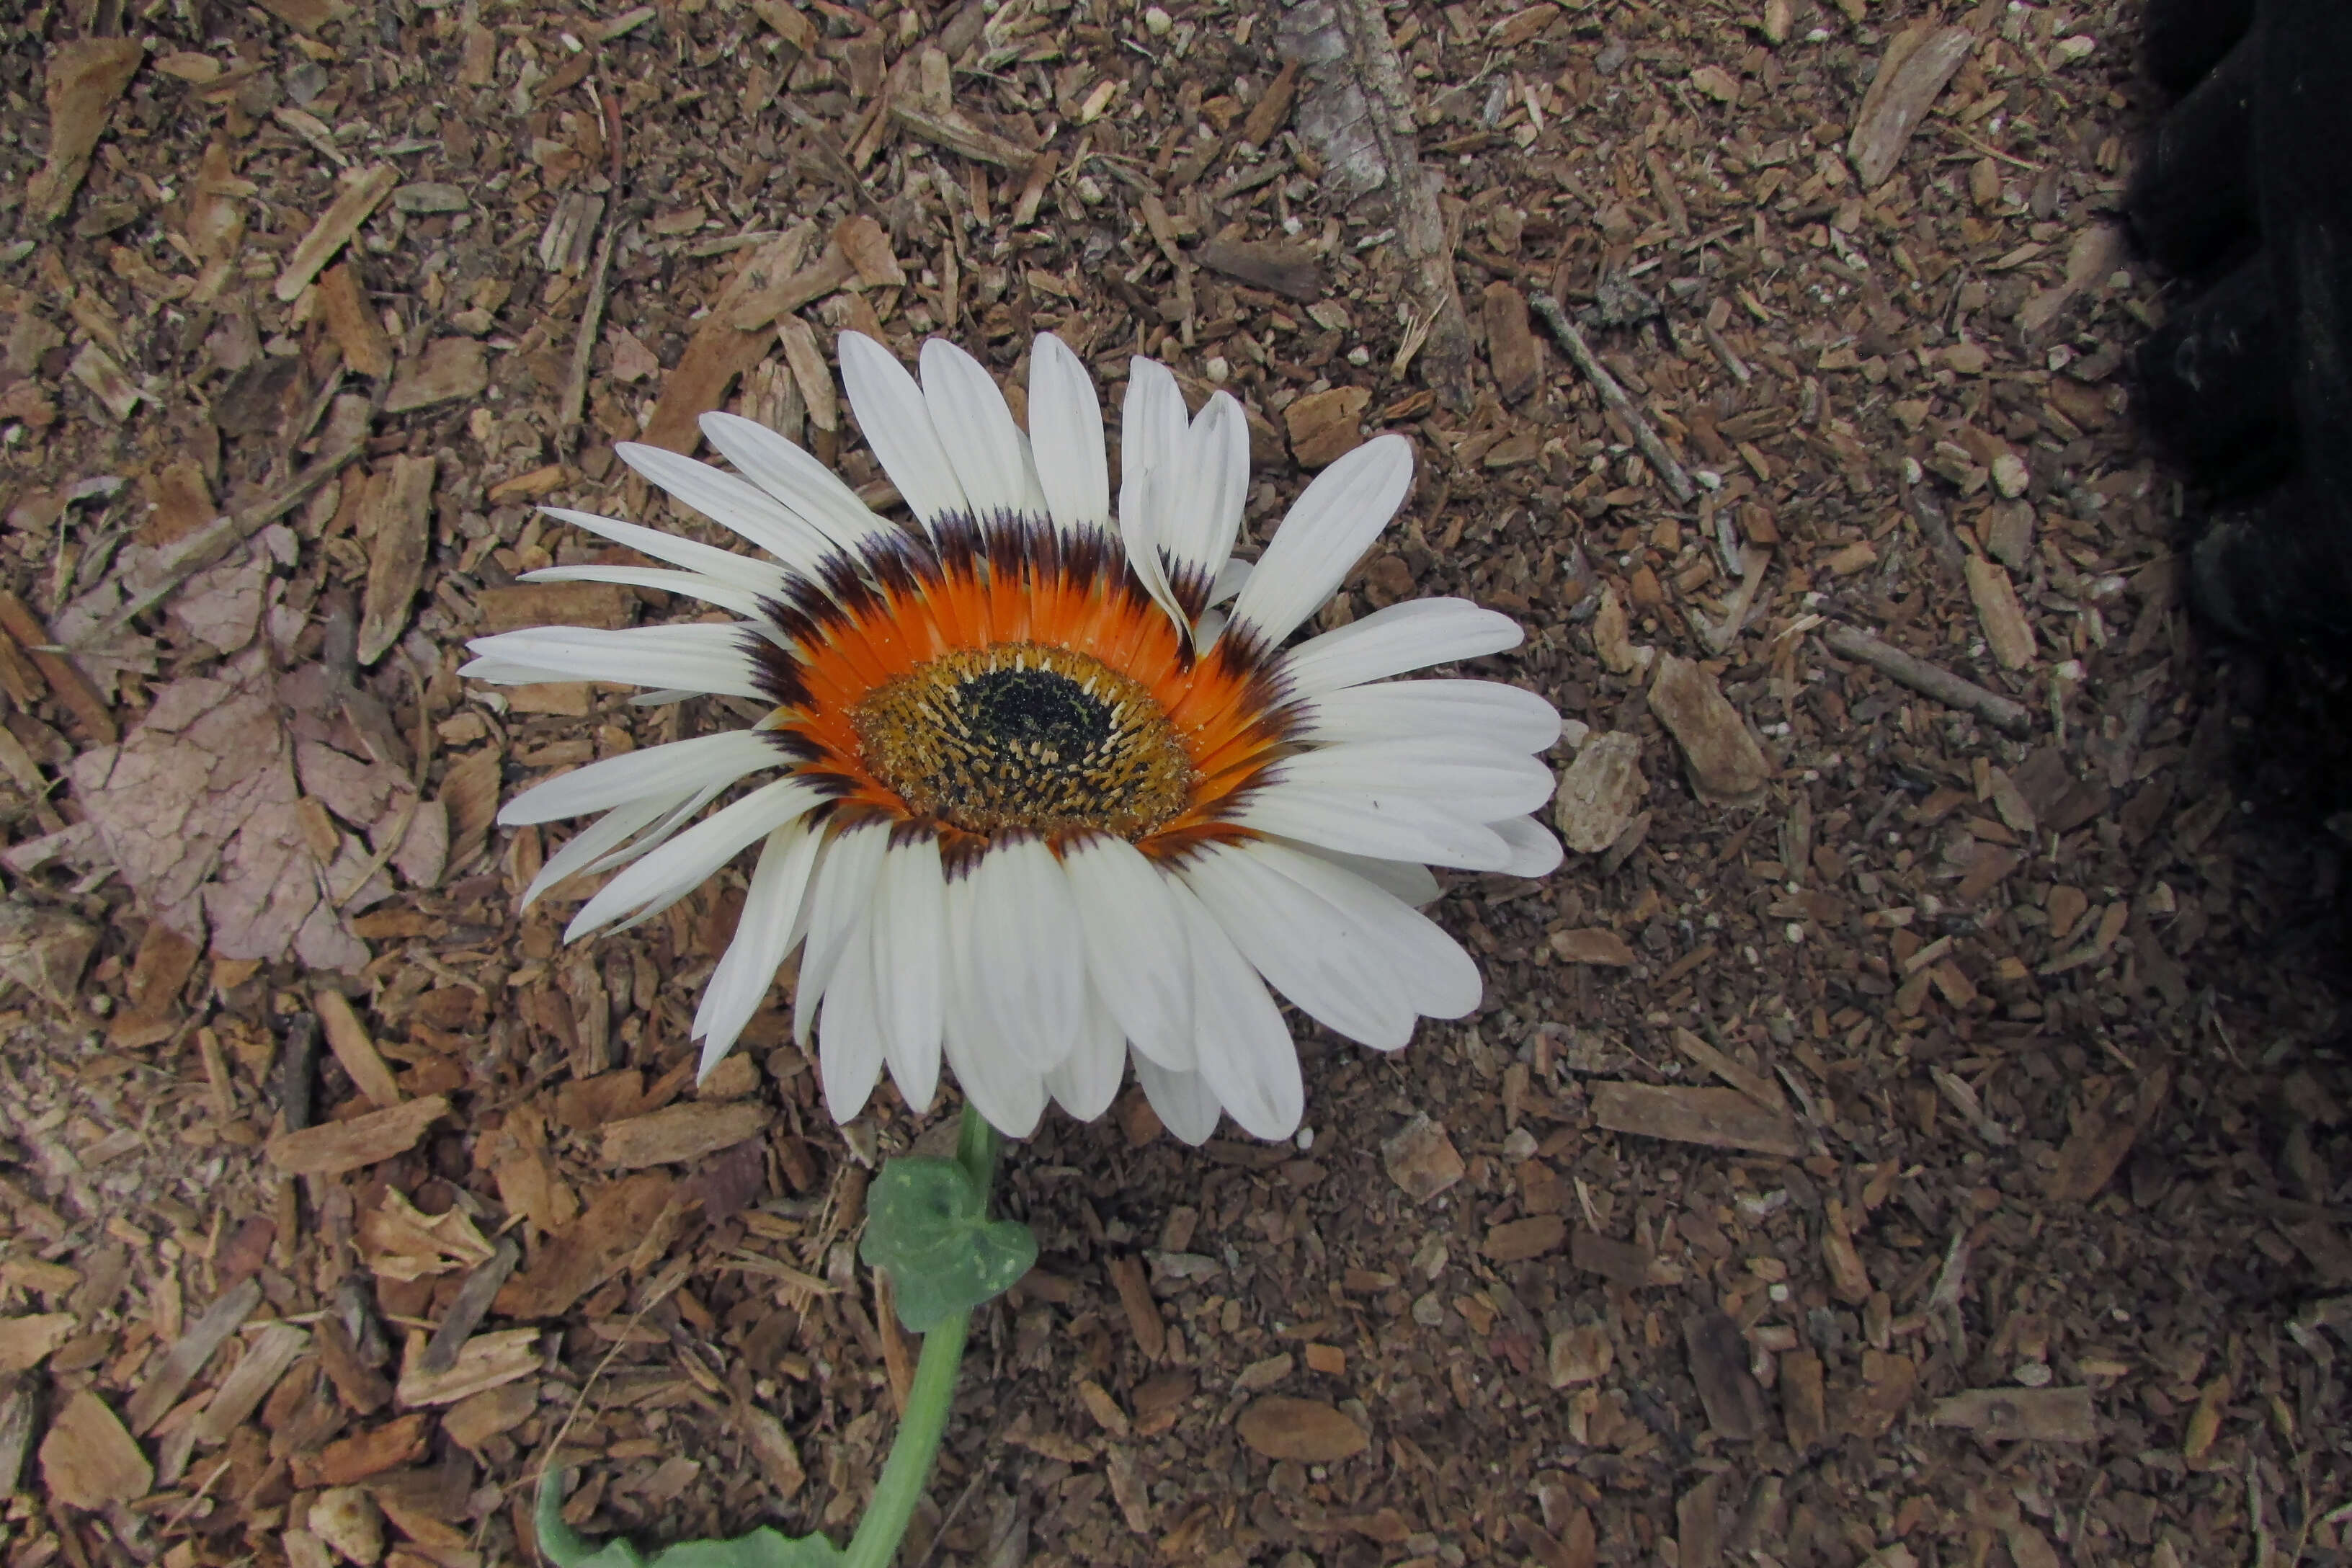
[(1386, 825), (815, 492), (975, 424), (1066, 434), (1087, 1079), (897, 422), (996, 1076), (660, 833), (1535, 852), (600, 838), (633, 775), (1439, 979), (1325, 534), (1247, 1059), (732, 596), (1471, 781), (1151, 429), (910, 966), (1202, 516), (1181, 1100), (1411, 635), (714, 659), (837, 902), (1028, 950), (1485, 712), (1307, 949), (731, 502), (763, 935), (849, 1039), (1408, 881), (1137, 500), (688, 860), (1230, 578), (723, 565), (1135, 946)]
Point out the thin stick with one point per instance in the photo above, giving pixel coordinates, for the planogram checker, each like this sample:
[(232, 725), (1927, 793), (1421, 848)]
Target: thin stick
[(1931, 680), (1677, 480), (591, 310)]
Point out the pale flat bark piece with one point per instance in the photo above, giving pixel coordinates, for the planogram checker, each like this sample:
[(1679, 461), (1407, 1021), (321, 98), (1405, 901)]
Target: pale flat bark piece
[(472, 1305), (866, 243), (1135, 1298), (959, 133), (532, 485), (398, 1241), (335, 1147), (479, 1418), (773, 1448), (2094, 258), (359, 197), (678, 1133), (1717, 1118), (487, 1362), (1601, 791), (605, 604), (161, 1389), (1422, 1159), (1593, 945), (810, 373), (469, 794), (357, 331), (1306, 1430), (1732, 1400), (589, 1250), (106, 381), (2022, 1415), (449, 369), (1326, 426), (2007, 631), (1752, 1084), (1911, 76), (85, 78), (364, 1454), (88, 1461), (402, 502), (1726, 765), (1512, 351), (353, 1045), (275, 1348), (26, 1341), (1285, 268), (1578, 1356), (728, 342)]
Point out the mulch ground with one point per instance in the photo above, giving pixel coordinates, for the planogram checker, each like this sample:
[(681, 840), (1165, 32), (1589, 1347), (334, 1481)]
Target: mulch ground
[(1898, 1140)]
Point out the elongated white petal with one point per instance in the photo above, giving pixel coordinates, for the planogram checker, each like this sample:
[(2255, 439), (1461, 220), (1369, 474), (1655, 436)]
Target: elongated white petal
[(1535, 852), (1135, 946), (1486, 714), (1183, 1102), (1471, 781), (1087, 1079), (975, 426), (897, 422), (911, 963), (1247, 1059), (1307, 949), (1438, 978), (1137, 501), (1325, 534), (1384, 824), (664, 828), (1151, 429), (994, 1071), (600, 838), (838, 899), (732, 596), (1230, 578), (713, 659), (688, 860), (1203, 515), (722, 565), (849, 1039), (731, 502), (1408, 881), (1407, 636), (1065, 433), (657, 771), (806, 487), (1028, 950), (763, 935)]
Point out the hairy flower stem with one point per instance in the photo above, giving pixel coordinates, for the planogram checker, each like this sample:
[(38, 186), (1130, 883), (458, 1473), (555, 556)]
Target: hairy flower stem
[(908, 1470)]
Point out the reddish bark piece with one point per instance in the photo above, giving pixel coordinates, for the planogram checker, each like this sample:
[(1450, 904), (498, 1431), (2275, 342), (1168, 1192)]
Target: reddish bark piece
[(1307, 1430)]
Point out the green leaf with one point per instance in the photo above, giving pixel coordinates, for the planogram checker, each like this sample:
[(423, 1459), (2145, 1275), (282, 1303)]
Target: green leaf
[(927, 1226), (764, 1548)]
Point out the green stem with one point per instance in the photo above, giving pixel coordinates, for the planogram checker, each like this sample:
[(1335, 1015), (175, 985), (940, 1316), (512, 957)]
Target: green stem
[(908, 1471)]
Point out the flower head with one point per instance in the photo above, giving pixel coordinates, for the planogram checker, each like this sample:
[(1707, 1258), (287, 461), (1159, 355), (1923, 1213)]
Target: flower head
[(1029, 799)]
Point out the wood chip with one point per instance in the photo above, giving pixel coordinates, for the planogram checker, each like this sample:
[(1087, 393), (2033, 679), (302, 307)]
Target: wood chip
[(487, 1361), (358, 331), (2022, 1415), (2007, 631), (810, 373), (1579, 1355), (773, 1448), (1422, 1159), (398, 1442), (828, 274), (335, 1147), (275, 1349), (479, 1418), (1326, 426), (26, 1341), (1911, 76), (680, 1133), (92, 719), (359, 197), (362, 1387), (1306, 1430), (1726, 765), (603, 605), (1516, 1241), (161, 1387), (1718, 1358), (88, 1461), (1512, 351), (1717, 1118), (1593, 945), (449, 370), (866, 243), (402, 503), (1134, 1286), (1279, 266), (959, 133), (349, 1039), (1621, 1262), (1804, 1400), (1935, 681), (2103, 1136), (727, 344), (1601, 791), (466, 1310), (85, 78), (588, 1251), (1747, 1081)]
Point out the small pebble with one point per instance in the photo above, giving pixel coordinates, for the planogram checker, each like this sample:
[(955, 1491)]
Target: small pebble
[(1156, 22), (1218, 368), (2033, 1374)]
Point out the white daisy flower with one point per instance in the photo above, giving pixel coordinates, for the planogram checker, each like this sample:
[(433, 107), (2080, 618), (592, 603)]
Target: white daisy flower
[(1025, 802)]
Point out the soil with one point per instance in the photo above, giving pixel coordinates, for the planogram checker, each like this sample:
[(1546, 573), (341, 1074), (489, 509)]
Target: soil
[(1897, 1140)]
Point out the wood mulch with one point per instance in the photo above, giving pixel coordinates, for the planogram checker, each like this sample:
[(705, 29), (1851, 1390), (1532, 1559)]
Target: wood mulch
[(1910, 1129)]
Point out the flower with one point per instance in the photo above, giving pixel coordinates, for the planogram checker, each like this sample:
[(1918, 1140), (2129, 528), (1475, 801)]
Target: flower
[(1029, 800)]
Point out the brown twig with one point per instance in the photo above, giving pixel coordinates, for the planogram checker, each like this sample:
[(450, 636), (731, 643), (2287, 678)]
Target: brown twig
[(1930, 679), (1677, 479), (591, 311)]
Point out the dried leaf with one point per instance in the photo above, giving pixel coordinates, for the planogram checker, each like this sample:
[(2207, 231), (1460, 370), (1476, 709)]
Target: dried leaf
[(85, 78)]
